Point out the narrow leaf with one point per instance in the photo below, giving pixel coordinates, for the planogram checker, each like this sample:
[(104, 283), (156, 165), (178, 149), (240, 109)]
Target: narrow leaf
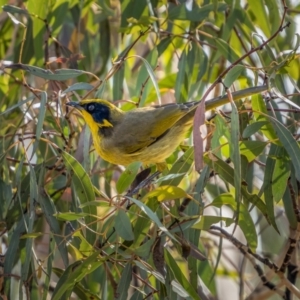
[(180, 12), (233, 75), (40, 121), (166, 193), (206, 221), (123, 226), (59, 75), (289, 143), (260, 113), (252, 149), (78, 86), (127, 177), (180, 168), (75, 273), (253, 128), (124, 283), (153, 216), (85, 192), (180, 277)]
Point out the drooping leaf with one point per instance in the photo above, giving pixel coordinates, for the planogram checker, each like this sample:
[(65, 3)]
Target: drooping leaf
[(289, 143), (180, 12), (127, 177), (59, 75), (182, 280), (75, 273), (85, 192), (166, 193), (123, 226), (252, 149), (123, 286)]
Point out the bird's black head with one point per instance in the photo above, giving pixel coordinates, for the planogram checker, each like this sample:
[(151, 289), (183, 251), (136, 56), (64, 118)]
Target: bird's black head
[(99, 111), (97, 115)]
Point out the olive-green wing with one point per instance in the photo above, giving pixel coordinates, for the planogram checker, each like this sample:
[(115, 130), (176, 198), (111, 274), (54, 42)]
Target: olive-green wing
[(145, 126)]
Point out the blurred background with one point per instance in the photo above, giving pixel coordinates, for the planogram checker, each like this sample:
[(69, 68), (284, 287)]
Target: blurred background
[(73, 226)]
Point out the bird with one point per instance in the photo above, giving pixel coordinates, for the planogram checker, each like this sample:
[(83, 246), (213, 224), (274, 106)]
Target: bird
[(148, 135)]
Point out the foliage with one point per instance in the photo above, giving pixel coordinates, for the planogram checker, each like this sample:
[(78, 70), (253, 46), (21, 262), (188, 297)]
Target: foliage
[(72, 224)]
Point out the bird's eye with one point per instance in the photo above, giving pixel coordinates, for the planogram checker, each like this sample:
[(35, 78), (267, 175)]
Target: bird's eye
[(91, 107)]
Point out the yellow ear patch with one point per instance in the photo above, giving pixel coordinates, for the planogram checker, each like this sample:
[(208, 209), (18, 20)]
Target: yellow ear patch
[(105, 124)]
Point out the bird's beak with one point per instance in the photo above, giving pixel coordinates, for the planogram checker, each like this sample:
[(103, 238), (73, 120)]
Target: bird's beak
[(74, 104)]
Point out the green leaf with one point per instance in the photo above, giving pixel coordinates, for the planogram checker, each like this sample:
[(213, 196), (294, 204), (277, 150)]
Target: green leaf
[(123, 226), (206, 221), (235, 155), (181, 166), (58, 75), (85, 192), (124, 283), (14, 247), (252, 149), (197, 64), (225, 49), (144, 85), (289, 143), (180, 12), (29, 226), (57, 17), (19, 104), (260, 114), (105, 6), (151, 75), (74, 273), (38, 28), (143, 224), (281, 174), (79, 289), (50, 259), (253, 128), (153, 216), (85, 248), (78, 86), (169, 177), (105, 38), (131, 9), (289, 209), (14, 9), (127, 177), (233, 75), (49, 210), (6, 194), (180, 277), (166, 193), (31, 235), (144, 249), (118, 81), (258, 10), (16, 21), (40, 122), (181, 86), (267, 184), (137, 296), (70, 216)]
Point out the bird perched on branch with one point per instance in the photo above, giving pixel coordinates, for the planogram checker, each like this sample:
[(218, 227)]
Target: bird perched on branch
[(148, 134)]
